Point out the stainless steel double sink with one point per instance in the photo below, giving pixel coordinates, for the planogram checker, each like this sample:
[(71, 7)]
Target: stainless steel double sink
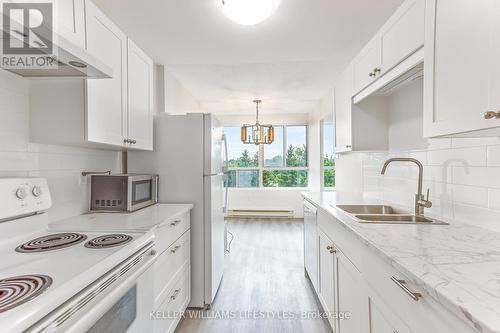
[(382, 214)]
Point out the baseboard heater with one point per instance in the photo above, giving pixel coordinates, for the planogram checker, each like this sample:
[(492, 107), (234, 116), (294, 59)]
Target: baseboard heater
[(260, 213)]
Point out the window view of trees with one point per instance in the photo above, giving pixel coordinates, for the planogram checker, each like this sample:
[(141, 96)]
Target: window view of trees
[(284, 162), (328, 154)]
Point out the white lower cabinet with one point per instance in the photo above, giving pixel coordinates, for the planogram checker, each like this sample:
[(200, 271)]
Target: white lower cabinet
[(382, 320), (172, 273), (327, 274), (366, 293), (311, 244), (168, 314), (351, 296)]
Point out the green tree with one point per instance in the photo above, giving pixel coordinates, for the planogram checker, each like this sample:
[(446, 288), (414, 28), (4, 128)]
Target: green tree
[(329, 174)]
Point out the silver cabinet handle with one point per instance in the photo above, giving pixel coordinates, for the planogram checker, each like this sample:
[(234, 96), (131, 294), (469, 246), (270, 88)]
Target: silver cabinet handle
[(402, 284), (176, 222), (331, 248), (377, 71), (371, 74), (491, 115), (175, 248), (175, 294), (133, 141), (348, 146), (126, 140)]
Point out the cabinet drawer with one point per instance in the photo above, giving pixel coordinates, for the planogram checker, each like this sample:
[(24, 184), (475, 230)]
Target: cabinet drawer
[(168, 231), (169, 263), (169, 312), (422, 315), (341, 237)]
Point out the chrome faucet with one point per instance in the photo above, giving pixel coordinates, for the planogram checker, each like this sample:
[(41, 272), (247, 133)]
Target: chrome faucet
[(420, 201)]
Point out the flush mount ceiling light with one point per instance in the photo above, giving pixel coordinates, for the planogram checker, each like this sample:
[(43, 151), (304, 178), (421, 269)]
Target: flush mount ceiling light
[(257, 134), (249, 12)]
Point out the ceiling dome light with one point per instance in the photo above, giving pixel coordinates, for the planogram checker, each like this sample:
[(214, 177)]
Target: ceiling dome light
[(249, 12)]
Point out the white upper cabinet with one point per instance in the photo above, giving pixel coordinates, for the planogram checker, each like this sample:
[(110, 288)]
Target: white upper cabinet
[(140, 98), (403, 34), (400, 37), (343, 111), (461, 67), (70, 21), (367, 65), (107, 98)]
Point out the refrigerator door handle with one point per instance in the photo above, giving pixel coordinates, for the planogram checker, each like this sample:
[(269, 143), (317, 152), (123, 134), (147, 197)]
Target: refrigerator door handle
[(224, 209), (225, 170)]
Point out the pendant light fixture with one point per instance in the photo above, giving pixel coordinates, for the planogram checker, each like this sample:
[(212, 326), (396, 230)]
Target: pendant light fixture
[(257, 134), (249, 12)]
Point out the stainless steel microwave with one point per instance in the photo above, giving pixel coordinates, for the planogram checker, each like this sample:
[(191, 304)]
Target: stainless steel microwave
[(122, 192)]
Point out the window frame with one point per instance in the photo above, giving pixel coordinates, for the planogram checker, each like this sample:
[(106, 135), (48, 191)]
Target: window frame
[(261, 165), (327, 120)]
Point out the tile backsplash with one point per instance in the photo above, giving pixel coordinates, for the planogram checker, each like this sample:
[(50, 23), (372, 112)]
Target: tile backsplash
[(462, 174), (61, 165)]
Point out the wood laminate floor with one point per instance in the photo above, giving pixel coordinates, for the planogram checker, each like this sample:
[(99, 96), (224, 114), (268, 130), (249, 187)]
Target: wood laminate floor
[(264, 277)]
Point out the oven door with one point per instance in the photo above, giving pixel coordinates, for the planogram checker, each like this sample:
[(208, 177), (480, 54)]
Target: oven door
[(112, 304), (142, 192)]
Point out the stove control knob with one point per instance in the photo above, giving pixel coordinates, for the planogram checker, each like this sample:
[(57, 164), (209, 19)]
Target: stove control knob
[(37, 191), (21, 193)]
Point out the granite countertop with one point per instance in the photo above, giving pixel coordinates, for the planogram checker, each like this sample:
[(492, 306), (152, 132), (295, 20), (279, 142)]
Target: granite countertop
[(458, 265)]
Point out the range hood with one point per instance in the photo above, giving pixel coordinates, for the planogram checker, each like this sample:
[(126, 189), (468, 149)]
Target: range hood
[(73, 61)]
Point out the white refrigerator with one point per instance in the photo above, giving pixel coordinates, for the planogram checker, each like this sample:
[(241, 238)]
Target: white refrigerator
[(190, 157)]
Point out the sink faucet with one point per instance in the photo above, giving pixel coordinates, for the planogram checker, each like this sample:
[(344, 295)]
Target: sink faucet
[(420, 201)]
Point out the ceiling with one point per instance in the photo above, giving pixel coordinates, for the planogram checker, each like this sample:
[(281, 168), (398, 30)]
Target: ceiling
[(290, 60)]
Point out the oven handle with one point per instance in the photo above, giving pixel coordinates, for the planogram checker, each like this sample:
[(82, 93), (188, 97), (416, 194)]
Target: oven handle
[(71, 318)]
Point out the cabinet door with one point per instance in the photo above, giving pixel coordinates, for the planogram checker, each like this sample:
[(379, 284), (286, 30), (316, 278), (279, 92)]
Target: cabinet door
[(494, 86), (403, 34), (352, 297), (367, 65), (140, 98), (326, 274), (382, 320), (343, 112), (311, 244), (70, 21), (106, 98), (460, 43)]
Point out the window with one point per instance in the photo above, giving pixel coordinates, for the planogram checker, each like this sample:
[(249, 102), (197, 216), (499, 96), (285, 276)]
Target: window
[(280, 164), (327, 152), (243, 160)]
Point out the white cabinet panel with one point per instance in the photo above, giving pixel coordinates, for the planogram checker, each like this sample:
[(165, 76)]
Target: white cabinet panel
[(460, 64), (383, 320), (494, 40), (351, 296), (343, 111), (326, 274), (107, 98), (403, 34), (70, 21), (367, 65), (311, 243), (140, 97)]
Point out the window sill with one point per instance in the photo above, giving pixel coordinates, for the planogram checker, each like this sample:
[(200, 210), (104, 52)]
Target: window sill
[(298, 189)]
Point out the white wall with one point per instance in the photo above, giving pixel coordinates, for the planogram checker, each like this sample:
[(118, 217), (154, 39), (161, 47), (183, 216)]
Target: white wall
[(461, 173), (61, 165), (177, 99)]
